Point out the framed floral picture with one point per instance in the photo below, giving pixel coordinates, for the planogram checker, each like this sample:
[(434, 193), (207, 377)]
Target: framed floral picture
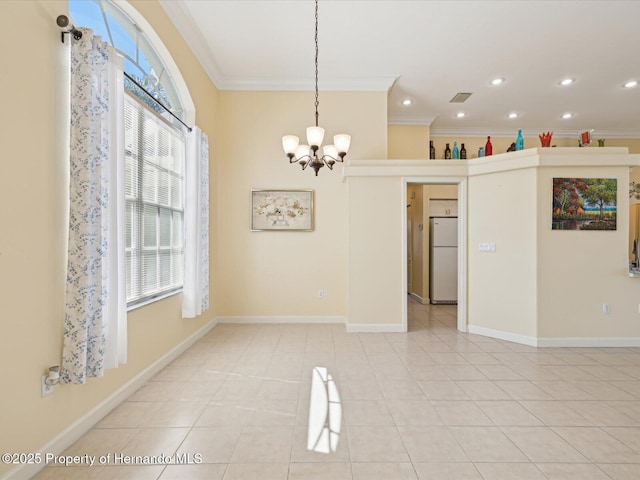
[(290, 210)]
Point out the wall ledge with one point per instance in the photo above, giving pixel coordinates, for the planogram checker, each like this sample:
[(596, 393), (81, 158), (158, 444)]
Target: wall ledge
[(605, 157), (77, 429)]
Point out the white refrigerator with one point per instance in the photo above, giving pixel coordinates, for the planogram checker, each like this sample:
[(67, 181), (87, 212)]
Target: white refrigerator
[(443, 260)]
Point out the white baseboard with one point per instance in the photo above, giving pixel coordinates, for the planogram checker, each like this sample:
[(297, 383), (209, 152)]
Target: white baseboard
[(315, 319), (502, 335), (415, 296), (266, 319), (77, 429), (595, 342), (589, 342), (376, 328)]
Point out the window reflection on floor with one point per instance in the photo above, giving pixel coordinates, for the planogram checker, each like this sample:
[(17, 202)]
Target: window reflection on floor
[(325, 413)]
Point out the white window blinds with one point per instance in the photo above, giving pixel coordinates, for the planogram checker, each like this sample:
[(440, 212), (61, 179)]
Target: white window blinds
[(154, 190)]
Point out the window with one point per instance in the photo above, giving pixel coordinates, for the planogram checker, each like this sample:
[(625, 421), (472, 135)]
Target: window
[(141, 60), (154, 156), (154, 179)]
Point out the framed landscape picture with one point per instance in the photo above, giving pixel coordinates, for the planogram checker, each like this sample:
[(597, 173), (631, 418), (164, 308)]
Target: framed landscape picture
[(290, 210), (584, 204)]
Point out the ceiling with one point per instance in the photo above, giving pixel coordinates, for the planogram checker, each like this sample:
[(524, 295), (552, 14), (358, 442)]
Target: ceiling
[(428, 51)]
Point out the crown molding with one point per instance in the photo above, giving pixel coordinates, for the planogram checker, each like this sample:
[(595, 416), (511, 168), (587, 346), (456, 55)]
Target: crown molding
[(615, 134), (376, 84), (184, 22), (411, 119)]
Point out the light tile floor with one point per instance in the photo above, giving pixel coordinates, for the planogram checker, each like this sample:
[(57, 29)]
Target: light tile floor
[(430, 404)]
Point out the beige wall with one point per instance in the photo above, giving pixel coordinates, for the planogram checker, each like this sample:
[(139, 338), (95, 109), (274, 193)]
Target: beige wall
[(408, 142), (426, 250), (634, 213), (580, 271), (502, 285), (411, 142), (280, 273), (32, 212), (375, 256), (546, 283), (500, 144), (418, 241)]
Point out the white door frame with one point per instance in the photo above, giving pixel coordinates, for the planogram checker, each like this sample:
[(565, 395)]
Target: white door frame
[(462, 244)]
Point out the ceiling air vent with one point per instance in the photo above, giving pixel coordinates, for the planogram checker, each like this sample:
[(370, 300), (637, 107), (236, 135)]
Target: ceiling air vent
[(460, 97)]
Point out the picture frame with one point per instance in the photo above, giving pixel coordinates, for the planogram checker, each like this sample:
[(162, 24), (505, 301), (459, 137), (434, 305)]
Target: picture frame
[(282, 210), (584, 204)]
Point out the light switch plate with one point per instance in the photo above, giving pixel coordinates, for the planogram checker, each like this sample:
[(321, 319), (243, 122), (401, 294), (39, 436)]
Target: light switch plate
[(489, 247)]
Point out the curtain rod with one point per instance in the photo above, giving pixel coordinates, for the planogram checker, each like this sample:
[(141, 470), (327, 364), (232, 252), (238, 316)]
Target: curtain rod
[(68, 28), (157, 101)]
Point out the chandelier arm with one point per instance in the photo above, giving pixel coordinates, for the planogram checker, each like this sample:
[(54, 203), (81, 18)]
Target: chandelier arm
[(329, 163), (306, 158), (329, 157)]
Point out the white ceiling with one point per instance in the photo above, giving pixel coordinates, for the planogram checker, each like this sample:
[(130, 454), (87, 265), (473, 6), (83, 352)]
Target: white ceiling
[(430, 50)]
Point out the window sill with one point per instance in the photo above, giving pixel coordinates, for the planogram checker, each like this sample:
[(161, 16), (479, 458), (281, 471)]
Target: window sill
[(148, 301)]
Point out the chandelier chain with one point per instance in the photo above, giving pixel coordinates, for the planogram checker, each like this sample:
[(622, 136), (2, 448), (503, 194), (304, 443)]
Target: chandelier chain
[(309, 155), (316, 40)]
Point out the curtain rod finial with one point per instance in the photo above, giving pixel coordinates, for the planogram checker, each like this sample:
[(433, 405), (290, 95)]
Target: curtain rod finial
[(67, 27), (62, 21)]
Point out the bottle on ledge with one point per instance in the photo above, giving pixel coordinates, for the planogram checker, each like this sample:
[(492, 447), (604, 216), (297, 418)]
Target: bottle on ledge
[(432, 150), (447, 153), (463, 153), (519, 140), (456, 153), (488, 148)]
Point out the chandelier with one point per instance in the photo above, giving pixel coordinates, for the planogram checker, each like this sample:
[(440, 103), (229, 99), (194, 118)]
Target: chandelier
[(308, 155)]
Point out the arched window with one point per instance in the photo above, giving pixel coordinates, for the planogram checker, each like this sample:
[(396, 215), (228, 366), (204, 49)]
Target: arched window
[(154, 147), (141, 59)]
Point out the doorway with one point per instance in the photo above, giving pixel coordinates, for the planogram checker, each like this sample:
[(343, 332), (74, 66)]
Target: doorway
[(424, 198)]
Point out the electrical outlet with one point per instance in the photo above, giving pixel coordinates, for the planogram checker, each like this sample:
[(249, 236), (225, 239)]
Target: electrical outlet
[(606, 309), (45, 388), (321, 293)]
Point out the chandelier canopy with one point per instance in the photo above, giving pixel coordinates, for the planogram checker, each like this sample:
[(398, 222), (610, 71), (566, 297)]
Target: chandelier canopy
[(308, 155)]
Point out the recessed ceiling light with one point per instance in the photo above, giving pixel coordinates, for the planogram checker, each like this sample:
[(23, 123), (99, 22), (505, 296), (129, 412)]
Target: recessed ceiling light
[(567, 115), (460, 114), (497, 81), (631, 84), (567, 81), (513, 115), (407, 101)]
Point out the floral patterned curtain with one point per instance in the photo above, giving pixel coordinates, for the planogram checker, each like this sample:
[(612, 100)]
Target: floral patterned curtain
[(195, 292), (95, 315)]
